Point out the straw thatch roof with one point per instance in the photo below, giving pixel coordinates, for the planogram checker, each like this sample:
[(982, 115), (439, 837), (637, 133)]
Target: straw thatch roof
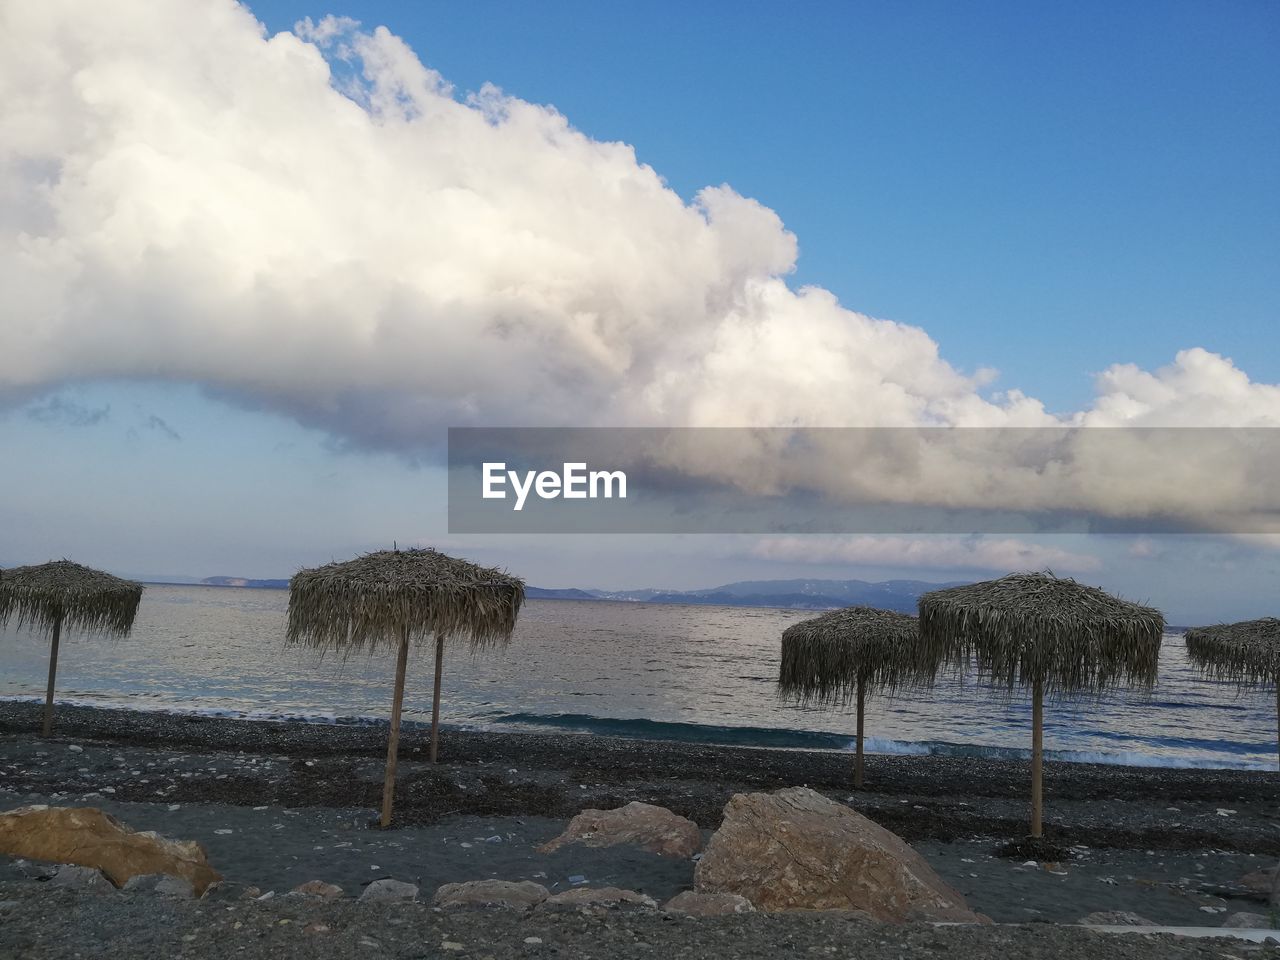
[(1247, 653), (1030, 627), (82, 598), (365, 602), (825, 659)]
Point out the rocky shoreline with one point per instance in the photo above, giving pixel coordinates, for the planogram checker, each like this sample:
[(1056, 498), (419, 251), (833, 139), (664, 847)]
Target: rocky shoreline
[(279, 804)]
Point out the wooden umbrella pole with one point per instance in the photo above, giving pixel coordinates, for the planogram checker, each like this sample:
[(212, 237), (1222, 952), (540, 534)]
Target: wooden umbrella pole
[(393, 741), (53, 673), (862, 702), (435, 700), (1037, 758)]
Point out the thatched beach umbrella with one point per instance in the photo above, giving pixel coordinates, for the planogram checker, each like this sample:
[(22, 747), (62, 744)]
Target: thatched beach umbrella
[(388, 598), (1049, 633), (1246, 653), (845, 654), (51, 595)]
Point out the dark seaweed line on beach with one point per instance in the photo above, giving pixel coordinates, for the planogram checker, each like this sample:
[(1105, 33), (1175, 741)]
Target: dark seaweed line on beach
[(508, 774), (623, 760)]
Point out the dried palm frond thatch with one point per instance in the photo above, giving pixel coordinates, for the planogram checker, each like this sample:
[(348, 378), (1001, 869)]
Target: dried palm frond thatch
[(1245, 653), (39, 597), (842, 655), (1048, 633), (827, 658), (48, 596), (392, 597), (367, 602), (1035, 628)]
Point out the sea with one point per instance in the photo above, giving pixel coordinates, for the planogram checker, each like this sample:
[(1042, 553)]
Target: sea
[(656, 671)]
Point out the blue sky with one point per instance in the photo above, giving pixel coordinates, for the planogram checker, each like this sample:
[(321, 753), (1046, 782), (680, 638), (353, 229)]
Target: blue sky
[(1044, 190)]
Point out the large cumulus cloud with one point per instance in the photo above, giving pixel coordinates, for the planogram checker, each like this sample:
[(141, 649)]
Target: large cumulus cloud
[(318, 223)]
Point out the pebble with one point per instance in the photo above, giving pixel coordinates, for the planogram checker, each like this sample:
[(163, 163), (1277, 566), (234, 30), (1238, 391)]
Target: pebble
[(533, 941), (76, 748), (451, 945)]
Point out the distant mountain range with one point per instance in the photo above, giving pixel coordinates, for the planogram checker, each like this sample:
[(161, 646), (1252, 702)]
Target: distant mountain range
[(796, 594)]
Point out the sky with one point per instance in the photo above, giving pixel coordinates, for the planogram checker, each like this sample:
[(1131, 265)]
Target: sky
[(254, 261)]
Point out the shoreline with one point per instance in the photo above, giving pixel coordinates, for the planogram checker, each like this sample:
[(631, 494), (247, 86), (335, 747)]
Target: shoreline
[(705, 735)]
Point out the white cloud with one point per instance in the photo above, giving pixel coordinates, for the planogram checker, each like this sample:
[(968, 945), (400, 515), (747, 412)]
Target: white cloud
[(184, 198), (934, 553)]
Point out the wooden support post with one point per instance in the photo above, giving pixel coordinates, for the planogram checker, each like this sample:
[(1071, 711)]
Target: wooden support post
[(862, 703), (53, 673), (435, 700), (393, 740), (1037, 758)]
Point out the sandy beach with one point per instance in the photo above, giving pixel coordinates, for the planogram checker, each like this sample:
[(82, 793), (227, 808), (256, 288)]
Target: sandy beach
[(279, 804)]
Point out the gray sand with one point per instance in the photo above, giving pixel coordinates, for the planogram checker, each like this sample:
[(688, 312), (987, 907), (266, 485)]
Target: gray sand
[(277, 805), (33, 927)]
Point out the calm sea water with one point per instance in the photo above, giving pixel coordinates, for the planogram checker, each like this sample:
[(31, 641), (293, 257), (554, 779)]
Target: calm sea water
[(632, 669)]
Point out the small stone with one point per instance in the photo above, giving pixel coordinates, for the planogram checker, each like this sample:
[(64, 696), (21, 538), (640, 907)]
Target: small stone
[(316, 927), (36, 871), (597, 899), (1116, 918), (490, 893), (532, 941), (76, 748), (160, 884), (82, 878), (318, 888), (226, 890), (223, 832), (451, 945), (1248, 921), (708, 904), (388, 890)]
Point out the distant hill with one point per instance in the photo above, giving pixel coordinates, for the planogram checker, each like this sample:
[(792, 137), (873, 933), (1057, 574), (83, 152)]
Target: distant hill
[(898, 595), (244, 582)]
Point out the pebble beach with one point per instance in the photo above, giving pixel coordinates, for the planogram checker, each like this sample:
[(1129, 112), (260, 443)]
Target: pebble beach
[(280, 804)]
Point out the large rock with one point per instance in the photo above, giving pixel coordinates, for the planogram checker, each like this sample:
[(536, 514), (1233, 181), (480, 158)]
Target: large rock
[(509, 895), (91, 838), (797, 850), (708, 904), (656, 829)]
